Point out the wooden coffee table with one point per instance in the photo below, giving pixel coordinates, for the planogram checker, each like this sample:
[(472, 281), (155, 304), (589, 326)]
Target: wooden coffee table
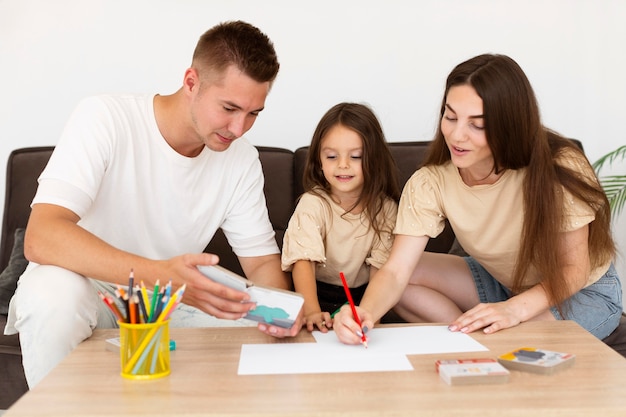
[(204, 382)]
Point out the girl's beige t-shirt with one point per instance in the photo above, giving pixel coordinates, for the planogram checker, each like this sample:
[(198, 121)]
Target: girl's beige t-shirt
[(320, 232), (486, 219)]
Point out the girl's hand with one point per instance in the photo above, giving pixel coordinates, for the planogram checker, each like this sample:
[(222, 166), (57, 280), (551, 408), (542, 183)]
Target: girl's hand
[(347, 329), (319, 319), (490, 317)]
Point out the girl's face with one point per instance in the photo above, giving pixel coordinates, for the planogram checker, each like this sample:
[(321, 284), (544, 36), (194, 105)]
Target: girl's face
[(341, 153), (463, 128)]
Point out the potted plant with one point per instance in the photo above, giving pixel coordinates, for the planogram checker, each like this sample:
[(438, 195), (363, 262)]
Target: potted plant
[(614, 185)]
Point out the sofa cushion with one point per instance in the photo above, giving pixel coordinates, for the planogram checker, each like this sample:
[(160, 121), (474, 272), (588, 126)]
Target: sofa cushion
[(23, 169), (15, 268)]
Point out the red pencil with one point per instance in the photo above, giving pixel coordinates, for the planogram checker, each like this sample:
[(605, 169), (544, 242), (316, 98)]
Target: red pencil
[(351, 301), (111, 304)]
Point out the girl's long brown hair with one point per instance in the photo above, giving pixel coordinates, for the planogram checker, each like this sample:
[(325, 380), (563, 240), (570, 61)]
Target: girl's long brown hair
[(517, 139), (380, 172)]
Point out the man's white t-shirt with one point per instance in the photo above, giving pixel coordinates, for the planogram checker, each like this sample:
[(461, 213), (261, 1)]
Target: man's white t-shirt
[(113, 168)]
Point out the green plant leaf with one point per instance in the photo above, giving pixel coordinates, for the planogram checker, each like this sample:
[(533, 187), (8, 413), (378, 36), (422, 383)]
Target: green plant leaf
[(609, 158), (614, 185)]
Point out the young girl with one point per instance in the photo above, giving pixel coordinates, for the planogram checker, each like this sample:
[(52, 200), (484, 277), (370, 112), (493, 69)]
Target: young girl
[(344, 220), (523, 202)]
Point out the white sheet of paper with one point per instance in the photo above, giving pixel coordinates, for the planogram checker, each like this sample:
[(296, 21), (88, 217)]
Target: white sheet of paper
[(387, 350), (314, 358), (411, 340)]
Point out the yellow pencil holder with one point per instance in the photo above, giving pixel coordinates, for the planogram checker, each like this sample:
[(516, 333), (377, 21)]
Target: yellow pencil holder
[(145, 350)]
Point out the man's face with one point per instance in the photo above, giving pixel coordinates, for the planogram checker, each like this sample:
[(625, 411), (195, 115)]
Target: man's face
[(223, 110)]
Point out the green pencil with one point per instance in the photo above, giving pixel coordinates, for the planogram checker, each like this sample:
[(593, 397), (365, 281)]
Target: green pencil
[(332, 316), (155, 294)]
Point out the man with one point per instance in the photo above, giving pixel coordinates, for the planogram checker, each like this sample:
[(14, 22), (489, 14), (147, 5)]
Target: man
[(142, 183)]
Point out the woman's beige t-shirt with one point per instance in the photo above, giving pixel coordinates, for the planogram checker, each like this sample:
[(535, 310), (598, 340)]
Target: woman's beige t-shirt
[(320, 231), (486, 219)]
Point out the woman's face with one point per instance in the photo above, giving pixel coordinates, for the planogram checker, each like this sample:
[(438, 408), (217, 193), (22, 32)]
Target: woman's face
[(463, 127)]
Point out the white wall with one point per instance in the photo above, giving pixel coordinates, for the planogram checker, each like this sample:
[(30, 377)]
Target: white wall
[(394, 55)]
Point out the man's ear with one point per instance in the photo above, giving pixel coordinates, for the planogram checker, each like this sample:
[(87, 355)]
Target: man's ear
[(191, 82)]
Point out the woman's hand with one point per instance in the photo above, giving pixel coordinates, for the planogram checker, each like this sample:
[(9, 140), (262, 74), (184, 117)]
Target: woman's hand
[(490, 317), (534, 303), (347, 329)]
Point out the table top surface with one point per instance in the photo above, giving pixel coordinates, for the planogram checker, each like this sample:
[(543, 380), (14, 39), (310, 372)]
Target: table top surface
[(204, 381)]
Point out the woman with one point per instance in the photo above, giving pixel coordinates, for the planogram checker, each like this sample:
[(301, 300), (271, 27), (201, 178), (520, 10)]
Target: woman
[(523, 202)]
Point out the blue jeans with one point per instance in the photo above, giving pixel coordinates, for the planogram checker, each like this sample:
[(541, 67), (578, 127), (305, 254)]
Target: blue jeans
[(597, 308)]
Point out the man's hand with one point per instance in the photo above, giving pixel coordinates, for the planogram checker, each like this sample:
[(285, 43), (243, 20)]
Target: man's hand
[(205, 294), (281, 332)]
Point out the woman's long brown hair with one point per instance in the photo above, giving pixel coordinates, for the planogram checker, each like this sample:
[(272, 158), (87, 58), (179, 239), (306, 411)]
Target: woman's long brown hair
[(517, 139)]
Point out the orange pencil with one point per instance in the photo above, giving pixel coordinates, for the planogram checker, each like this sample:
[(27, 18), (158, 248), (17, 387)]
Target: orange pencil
[(115, 307), (354, 313), (112, 306), (132, 309), (120, 291)]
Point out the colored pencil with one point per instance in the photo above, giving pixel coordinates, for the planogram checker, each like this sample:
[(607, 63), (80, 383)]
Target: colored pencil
[(114, 306), (126, 304), (142, 304), (131, 283), (146, 299), (172, 303), (111, 304), (332, 316), (153, 304), (352, 306), (120, 291), (133, 309), (161, 301)]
